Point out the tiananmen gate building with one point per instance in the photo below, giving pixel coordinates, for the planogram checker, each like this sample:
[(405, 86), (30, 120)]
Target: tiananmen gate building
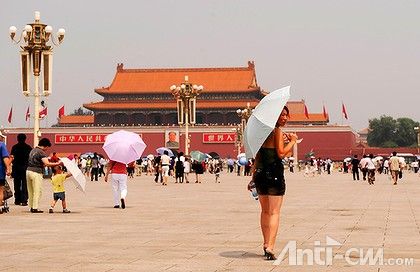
[(140, 100)]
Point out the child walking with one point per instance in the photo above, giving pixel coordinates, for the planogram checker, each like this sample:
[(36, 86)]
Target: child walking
[(57, 181)]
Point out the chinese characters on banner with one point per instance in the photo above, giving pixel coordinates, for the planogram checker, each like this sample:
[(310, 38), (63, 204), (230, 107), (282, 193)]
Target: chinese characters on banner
[(223, 138), (208, 138), (80, 138)]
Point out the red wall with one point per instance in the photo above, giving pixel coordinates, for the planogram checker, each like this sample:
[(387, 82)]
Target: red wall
[(153, 141), (333, 144)]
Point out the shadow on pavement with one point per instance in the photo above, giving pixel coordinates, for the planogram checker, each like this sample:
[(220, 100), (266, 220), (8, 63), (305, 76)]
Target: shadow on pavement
[(239, 254)]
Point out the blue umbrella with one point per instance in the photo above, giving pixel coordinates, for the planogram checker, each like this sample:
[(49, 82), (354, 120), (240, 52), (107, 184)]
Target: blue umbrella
[(160, 151), (263, 120)]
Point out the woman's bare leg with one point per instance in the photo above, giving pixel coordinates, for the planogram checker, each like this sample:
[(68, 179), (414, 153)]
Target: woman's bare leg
[(274, 206), (265, 218)]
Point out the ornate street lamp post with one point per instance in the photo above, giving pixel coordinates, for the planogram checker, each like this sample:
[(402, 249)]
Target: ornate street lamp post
[(244, 114), (185, 95), (36, 56), (238, 142)]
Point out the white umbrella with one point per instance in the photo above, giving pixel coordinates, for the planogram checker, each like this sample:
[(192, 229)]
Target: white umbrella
[(150, 157), (263, 120), (241, 155), (77, 176), (161, 150), (379, 158), (347, 159)]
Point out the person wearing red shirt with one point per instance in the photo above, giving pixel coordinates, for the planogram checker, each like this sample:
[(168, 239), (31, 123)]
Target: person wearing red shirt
[(54, 158), (118, 172)]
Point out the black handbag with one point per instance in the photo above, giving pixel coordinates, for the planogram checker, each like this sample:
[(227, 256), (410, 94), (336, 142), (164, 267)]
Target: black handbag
[(7, 192)]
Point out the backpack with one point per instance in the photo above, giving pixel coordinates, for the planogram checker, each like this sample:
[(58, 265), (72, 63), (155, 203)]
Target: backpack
[(179, 165)]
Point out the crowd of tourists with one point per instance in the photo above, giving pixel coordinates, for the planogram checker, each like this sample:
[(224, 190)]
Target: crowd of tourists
[(30, 166), (367, 167)]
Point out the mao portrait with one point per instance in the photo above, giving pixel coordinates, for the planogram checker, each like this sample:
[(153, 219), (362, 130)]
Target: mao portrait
[(172, 139)]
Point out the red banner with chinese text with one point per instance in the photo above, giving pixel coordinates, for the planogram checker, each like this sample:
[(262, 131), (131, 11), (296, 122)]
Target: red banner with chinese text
[(80, 138), (219, 138)]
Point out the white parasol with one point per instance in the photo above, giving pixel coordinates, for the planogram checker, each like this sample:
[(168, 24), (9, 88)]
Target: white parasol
[(77, 176), (263, 120)]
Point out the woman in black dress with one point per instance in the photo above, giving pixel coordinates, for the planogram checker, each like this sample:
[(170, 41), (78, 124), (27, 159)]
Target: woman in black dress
[(198, 169), (268, 176)]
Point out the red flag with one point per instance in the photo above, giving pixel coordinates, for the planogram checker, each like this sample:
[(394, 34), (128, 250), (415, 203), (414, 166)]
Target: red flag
[(9, 118), (344, 111), (61, 112), (324, 111), (28, 115), (306, 112), (43, 112)]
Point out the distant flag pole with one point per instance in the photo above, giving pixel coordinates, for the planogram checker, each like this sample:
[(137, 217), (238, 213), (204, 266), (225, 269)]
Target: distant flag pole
[(324, 111), (60, 112), (343, 109), (306, 112), (9, 118), (28, 116)]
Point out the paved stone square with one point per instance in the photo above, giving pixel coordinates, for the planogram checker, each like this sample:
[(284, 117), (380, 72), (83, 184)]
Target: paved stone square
[(212, 227)]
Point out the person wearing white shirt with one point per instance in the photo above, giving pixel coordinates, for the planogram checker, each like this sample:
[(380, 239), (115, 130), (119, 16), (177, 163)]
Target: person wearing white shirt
[(415, 166), (165, 161), (363, 166), (83, 165), (187, 169), (386, 166), (371, 169), (102, 163)]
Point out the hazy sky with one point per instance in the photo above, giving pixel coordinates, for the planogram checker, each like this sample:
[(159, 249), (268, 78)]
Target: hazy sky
[(364, 53)]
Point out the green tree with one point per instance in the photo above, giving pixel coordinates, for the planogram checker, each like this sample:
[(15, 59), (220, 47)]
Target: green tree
[(405, 134), (388, 132), (381, 132)]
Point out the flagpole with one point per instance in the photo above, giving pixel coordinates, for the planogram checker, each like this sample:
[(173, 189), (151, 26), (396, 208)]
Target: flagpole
[(28, 120), (10, 117), (28, 117)]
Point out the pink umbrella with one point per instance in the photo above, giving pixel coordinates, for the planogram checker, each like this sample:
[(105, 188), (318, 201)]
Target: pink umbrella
[(124, 146)]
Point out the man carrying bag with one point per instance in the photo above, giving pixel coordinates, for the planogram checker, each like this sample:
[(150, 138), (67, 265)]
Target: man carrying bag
[(5, 169)]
